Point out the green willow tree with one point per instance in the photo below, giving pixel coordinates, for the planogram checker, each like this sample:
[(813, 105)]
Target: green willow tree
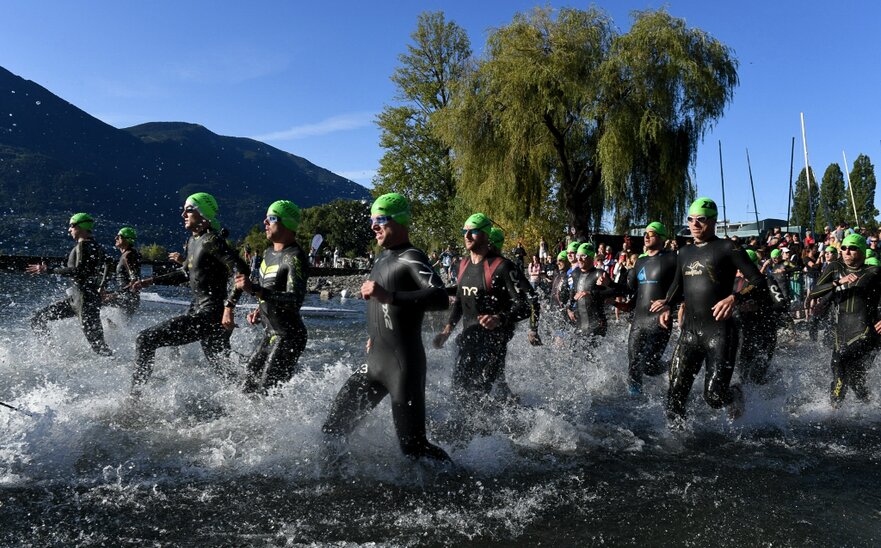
[(344, 224), (804, 204), (834, 203), (564, 108), (862, 181), (416, 163)]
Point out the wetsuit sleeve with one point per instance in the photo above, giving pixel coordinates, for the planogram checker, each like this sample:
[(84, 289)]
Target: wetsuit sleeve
[(674, 293), (508, 276), (758, 285), (295, 289), (431, 295), (227, 255), (532, 299), (826, 284), (455, 312), (632, 281), (83, 265), (175, 277)]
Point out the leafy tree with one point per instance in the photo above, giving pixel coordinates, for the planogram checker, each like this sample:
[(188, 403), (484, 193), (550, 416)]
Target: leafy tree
[(153, 252), (834, 203), (564, 108), (803, 208), (862, 181), (344, 224), (256, 240), (416, 163)]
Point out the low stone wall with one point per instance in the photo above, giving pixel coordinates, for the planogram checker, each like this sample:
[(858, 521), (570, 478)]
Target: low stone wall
[(334, 285)]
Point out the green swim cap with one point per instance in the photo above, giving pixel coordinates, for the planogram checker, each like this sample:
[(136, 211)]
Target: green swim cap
[(657, 228), (753, 256), (561, 256), (870, 252), (204, 203), (82, 220), (704, 206), (497, 237), (128, 234), (855, 239), (586, 249), (394, 205), (480, 222), (776, 253), (288, 213), (572, 247), (873, 261)]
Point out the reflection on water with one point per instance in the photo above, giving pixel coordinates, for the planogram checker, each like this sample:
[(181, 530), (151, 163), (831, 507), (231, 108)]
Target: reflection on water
[(578, 462)]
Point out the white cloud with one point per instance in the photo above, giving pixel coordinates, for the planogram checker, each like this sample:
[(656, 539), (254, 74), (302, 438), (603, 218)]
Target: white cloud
[(334, 124), (232, 65)]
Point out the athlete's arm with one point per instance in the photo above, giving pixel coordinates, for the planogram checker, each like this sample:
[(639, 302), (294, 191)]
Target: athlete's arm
[(826, 284), (431, 294), (508, 276), (227, 255)]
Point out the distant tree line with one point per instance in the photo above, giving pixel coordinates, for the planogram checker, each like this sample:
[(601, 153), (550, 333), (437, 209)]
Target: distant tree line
[(830, 203)]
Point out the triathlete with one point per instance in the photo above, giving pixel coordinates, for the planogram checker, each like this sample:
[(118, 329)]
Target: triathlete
[(280, 291), (757, 328), (86, 266), (489, 301), (208, 266), (401, 287), (497, 240), (705, 275), (649, 280), (588, 295), (560, 285), (855, 290), (128, 269)]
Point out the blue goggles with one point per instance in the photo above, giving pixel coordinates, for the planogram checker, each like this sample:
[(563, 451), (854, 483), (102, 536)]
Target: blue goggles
[(273, 218), (380, 220), (471, 231)]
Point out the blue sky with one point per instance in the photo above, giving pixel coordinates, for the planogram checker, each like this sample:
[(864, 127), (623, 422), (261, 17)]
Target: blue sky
[(309, 78)]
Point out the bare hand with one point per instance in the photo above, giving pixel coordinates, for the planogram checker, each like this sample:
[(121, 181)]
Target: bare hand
[(533, 338), (244, 283), (571, 315), (229, 320), (372, 290), (658, 305), (489, 321), (580, 295), (176, 257), (137, 285), (849, 279), (723, 309), (254, 316), (440, 339), (878, 328), (369, 344), (664, 319), (36, 268)]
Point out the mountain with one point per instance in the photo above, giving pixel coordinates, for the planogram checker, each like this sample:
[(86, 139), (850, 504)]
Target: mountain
[(56, 159)]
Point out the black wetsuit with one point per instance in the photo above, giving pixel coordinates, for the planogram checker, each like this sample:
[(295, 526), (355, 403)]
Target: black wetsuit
[(856, 341), (209, 263), (649, 280), (85, 265), (481, 359), (704, 276), (128, 269), (590, 310), (757, 328), (281, 291), (396, 361), (560, 292)]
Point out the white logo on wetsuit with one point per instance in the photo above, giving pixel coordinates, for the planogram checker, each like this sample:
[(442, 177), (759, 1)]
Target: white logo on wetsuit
[(694, 269), (469, 291), (386, 317)]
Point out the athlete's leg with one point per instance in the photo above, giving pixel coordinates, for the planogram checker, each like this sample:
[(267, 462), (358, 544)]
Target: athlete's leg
[(216, 347), (352, 403), (90, 318), (282, 362), (56, 311), (687, 361), (838, 389), (172, 332), (859, 362), (720, 347), (256, 365)]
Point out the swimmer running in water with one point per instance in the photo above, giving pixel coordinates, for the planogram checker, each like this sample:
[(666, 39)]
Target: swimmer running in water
[(128, 269), (85, 265), (280, 291), (401, 287), (208, 265)]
